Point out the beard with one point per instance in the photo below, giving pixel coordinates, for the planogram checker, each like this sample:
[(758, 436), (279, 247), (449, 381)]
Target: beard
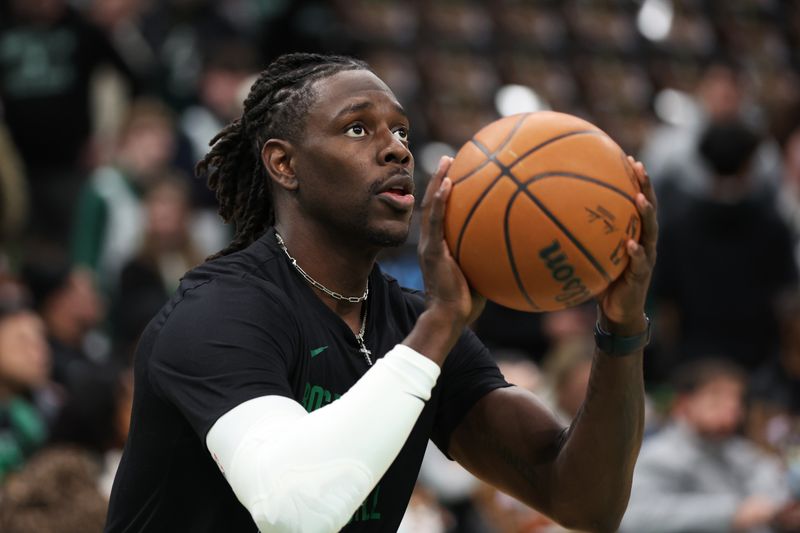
[(357, 224), (381, 237), (386, 239)]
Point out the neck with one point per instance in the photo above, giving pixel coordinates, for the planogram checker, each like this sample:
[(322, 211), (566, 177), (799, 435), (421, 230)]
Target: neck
[(340, 265)]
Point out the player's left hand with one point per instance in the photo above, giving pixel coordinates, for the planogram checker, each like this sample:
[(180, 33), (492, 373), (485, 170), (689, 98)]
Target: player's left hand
[(621, 306)]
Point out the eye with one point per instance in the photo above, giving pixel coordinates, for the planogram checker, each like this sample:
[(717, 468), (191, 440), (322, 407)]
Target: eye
[(355, 131), (401, 133)]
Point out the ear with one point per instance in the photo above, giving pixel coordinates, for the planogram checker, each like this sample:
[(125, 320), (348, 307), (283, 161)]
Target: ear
[(276, 155)]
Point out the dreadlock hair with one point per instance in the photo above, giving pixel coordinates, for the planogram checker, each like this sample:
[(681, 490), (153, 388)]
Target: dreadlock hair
[(276, 107)]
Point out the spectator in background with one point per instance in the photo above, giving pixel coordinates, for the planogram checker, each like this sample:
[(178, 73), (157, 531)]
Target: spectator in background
[(49, 55), (671, 152), (13, 189), (167, 252), (722, 261), (696, 474), (672, 149), (24, 367), (72, 310), (424, 513), (90, 417), (227, 74), (568, 367), (55, 493), (121, 422), (774, 420), (110, 221), (228, 71), (788, 198), (179, 34), (124, 23), (534, 334)]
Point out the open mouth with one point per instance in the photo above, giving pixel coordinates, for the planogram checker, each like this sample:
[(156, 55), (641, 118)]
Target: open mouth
[(398, 199), (398, 192)]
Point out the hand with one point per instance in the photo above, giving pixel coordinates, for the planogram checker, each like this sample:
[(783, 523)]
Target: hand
[(446, 288), (621, 306), (753, 512)]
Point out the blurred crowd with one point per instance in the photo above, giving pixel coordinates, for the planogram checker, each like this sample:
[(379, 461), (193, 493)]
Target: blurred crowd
[(106, 105)]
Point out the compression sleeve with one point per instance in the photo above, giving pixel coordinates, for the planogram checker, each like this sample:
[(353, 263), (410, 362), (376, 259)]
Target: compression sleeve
[(295, 471)]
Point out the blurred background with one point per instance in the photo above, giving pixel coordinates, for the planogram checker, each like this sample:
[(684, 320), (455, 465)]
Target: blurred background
[(106, 105)]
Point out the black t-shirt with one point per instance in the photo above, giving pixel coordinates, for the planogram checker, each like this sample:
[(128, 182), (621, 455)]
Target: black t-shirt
[(244, 326)]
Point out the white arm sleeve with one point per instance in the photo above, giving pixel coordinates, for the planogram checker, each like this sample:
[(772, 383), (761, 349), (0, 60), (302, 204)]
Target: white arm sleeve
[(296, 471)]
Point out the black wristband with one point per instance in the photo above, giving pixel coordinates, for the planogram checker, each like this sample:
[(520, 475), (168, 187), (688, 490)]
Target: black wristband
[(616, 346)]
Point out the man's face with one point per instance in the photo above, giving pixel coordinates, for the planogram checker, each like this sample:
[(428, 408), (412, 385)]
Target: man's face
[(715, 409), (353, 166)]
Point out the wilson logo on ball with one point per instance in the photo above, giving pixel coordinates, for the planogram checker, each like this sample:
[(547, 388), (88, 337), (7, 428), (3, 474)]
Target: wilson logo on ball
[(573, 291)]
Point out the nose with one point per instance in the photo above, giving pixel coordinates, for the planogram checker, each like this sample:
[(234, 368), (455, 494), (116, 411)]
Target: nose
[(394, 151)]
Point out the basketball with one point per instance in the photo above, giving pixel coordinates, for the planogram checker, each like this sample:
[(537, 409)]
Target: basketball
[(541, 207)]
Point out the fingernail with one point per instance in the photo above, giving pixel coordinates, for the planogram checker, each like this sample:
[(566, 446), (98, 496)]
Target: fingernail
[(442, 162)]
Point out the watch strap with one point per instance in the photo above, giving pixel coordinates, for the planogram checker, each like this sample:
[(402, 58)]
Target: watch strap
[(617, 345)]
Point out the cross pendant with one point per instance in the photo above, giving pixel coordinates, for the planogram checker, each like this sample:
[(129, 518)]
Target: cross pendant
[(363, 349)]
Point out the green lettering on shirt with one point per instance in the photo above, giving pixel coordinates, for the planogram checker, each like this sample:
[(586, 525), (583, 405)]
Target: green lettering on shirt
[(316, 396), (368, 510)]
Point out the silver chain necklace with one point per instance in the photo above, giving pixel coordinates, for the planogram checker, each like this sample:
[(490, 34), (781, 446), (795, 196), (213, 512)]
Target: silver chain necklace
[(360, 338), (333, 294)]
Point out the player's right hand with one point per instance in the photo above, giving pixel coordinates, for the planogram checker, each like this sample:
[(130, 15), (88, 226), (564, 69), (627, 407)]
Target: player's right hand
[(446, 288)]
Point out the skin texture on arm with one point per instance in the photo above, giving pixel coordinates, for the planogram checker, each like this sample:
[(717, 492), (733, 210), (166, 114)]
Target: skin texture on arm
[(580, 476)]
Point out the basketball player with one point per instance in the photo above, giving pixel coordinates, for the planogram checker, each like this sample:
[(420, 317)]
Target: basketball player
[(290, 386)]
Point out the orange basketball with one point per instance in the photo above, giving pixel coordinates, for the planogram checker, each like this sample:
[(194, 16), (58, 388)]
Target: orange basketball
[(541, 208)]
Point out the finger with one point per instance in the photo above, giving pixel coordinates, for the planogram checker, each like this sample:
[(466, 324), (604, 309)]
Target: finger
[(436, 215), (436, 180), (649, 237), (638, 268), (434, 184), (644, 181)]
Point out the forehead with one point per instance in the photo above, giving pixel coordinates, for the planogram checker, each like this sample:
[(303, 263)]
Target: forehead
[(341, 90)]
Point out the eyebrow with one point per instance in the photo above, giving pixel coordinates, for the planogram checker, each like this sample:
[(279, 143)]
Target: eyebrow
[(361, 106)]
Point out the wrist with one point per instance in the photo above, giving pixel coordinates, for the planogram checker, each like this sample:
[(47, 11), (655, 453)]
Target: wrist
[(617, 345), (434, 334), (625, 327)]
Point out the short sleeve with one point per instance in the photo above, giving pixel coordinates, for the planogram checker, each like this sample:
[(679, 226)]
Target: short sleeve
[(225, 341), (468, 374)]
